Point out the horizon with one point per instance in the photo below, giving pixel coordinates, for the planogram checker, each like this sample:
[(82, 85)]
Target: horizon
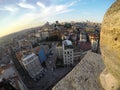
[(44, 24), (17, 15)]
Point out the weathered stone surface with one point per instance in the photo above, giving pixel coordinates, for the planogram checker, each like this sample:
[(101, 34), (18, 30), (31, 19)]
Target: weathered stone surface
[(108, 81), (85, 76), (110, 40)]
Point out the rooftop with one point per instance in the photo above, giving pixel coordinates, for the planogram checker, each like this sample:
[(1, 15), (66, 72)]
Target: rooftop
[(26, 57), (67, 44)]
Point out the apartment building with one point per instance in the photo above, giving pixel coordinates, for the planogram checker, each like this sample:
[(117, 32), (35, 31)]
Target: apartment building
[(32, 65), (67, 53)]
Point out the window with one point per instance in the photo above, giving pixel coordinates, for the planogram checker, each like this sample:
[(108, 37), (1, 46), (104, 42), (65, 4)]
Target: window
[(67, 52)]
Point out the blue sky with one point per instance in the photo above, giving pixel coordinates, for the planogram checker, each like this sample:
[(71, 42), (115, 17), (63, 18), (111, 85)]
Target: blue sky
[(19, 14)]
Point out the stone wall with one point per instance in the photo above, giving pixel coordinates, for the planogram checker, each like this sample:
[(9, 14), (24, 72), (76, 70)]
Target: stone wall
[(85, 76), (110, 42)]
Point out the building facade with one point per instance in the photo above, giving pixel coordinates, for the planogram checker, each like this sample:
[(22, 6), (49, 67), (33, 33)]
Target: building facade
[(32, 65), (83, 37), (68, 53), (59, 52), (44, 35), (42, 55)]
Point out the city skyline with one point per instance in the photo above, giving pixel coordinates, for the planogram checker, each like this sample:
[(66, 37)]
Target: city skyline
[(20, 14)]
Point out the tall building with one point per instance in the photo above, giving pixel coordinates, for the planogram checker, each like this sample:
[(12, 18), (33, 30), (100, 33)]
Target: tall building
[(32, 65), (94, 39), (59, 52), (46, 48), (67, 53), (42, 55), (94, 44), (51, 60)]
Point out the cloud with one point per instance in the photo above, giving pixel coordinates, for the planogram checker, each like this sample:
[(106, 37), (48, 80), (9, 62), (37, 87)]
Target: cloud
[(54, 10), (43, 14), (25, 5), (9, 8), (23, 0), (40, 4), (47, 12)]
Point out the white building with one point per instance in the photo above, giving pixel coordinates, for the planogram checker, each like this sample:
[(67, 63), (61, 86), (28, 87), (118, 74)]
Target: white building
[(32, 65), (83, 37), (44, 35), (67, 53)]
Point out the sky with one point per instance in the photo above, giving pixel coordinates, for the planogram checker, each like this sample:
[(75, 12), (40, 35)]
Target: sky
[(16, 15)]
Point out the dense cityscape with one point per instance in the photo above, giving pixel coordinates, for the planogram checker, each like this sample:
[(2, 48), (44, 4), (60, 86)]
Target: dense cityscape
[(60, 45), (42, 56)]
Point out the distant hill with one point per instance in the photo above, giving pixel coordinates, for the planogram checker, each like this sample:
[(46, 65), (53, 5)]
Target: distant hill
[(8, 38)]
